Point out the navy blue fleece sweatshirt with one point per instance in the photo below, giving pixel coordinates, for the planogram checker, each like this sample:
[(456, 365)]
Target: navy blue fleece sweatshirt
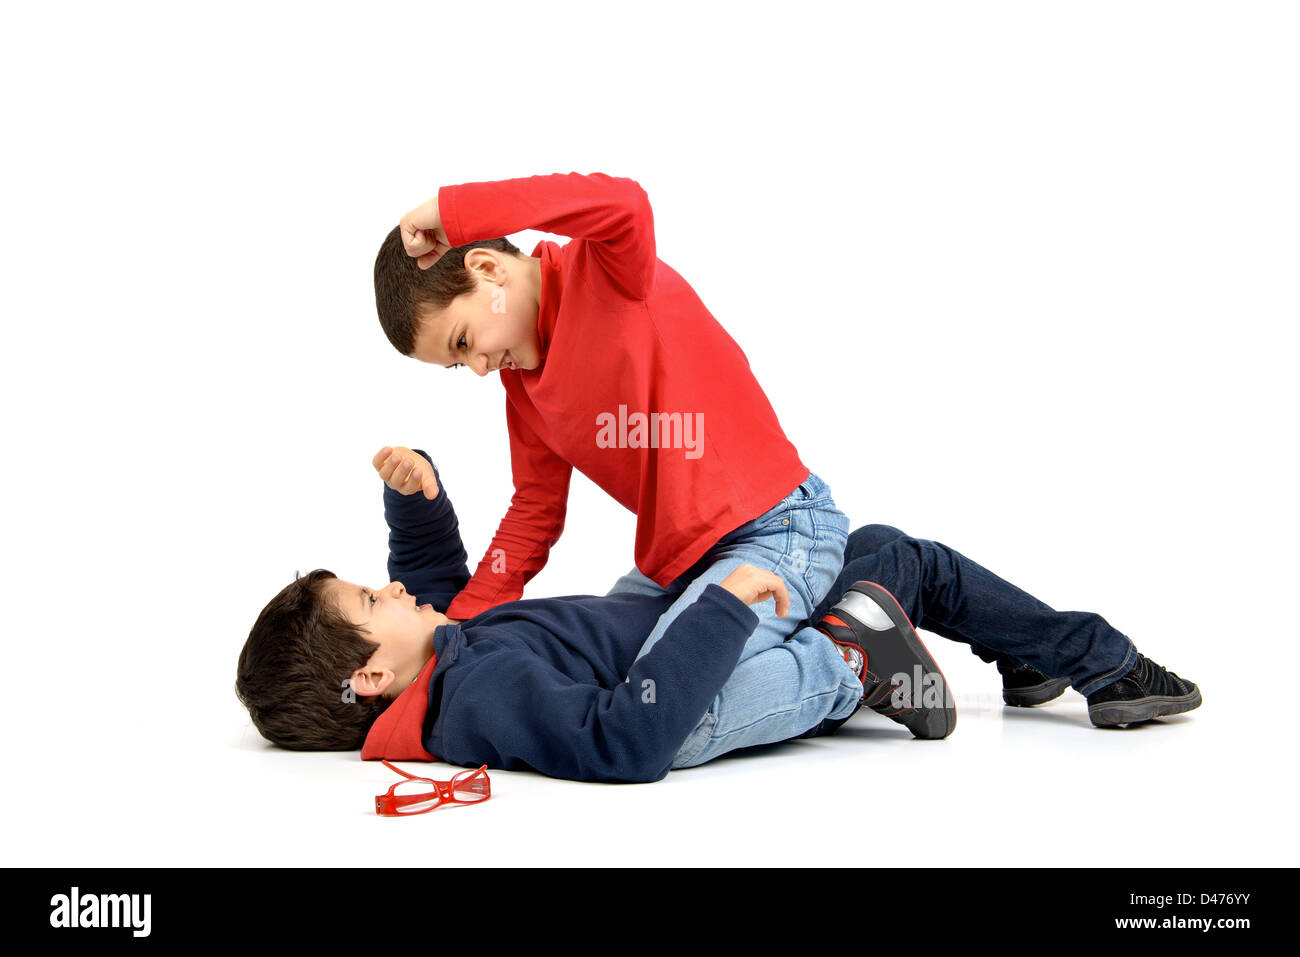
[(554, 684)]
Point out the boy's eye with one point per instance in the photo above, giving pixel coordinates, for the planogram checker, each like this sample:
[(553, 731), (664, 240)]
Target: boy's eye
[(373, 599)]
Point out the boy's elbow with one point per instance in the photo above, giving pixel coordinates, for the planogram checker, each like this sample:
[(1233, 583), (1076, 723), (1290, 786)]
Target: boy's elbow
[(634, 264), (632, 192), (639, 198), (637, 773), (651, 767), (640, 763), (638, 206), (630, 199)]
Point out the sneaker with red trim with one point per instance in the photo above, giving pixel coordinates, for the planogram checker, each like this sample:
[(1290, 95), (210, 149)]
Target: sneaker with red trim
[(900, 679)]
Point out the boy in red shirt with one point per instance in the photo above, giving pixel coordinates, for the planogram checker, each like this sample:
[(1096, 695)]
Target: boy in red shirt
[(612, 365)]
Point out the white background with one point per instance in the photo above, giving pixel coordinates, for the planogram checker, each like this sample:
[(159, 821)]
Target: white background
[(1020, 277)]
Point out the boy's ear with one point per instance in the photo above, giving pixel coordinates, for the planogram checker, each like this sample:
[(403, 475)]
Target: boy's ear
[(367, 683), (486, 263)]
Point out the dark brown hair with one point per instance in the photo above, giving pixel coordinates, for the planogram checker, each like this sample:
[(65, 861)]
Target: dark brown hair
[(294, 669), (403, 289)]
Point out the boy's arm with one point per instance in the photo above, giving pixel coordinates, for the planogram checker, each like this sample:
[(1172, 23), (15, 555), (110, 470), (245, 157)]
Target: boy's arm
[(613, 213), (513, 708), (531, 526), (425, 552)]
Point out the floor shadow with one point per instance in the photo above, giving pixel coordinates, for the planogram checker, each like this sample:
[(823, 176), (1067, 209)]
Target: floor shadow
[(1045, 716)]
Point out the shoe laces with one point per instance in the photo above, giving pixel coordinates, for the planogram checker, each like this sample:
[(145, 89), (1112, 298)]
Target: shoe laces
[(1158, 680)]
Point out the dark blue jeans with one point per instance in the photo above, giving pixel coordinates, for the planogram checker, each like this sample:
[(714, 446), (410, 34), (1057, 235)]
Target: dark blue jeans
[(946, 593)]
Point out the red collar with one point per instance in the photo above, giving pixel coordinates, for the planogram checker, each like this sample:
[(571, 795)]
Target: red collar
[(397, 734)]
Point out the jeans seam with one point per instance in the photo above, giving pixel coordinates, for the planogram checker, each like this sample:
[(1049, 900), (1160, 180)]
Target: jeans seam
[(820, 534), (773, 714), (1119, 671), (808, 563)]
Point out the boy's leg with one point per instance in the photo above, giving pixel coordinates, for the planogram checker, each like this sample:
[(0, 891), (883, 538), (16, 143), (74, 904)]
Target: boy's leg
[(801, 539), (869, 539), (945, 592), (789, 677), (774, 696), (635, 583)]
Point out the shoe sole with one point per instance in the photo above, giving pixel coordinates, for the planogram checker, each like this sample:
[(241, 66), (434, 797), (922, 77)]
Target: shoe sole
[(936, 723), (1112, 713), (1035, 694)]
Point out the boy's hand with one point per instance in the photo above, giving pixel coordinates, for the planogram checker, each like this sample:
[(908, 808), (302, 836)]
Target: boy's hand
[(423, 235), (752, 585), (405, 471)]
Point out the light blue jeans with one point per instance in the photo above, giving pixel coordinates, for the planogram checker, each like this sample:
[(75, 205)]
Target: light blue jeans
[(789, 677)]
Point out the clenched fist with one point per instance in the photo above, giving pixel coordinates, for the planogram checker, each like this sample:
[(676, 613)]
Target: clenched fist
[(423, 235), (405, 471), (752, 585)]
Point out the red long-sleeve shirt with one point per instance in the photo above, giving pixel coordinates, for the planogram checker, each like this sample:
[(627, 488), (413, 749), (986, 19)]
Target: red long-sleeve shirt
[(623, 338)]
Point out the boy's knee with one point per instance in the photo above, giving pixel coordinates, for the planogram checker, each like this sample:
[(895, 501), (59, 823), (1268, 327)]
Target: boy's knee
[(870, 539), (900, 564)]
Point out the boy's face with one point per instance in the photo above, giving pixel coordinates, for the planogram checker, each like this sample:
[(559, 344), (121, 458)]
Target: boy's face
[(495, 326), (403, 630)]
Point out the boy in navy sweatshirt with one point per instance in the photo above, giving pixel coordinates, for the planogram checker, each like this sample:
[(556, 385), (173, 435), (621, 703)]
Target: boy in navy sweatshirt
[(549, 684), (556, 684)]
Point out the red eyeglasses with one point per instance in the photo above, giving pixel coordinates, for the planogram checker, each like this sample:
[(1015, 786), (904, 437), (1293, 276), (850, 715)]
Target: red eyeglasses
[(419, 795)]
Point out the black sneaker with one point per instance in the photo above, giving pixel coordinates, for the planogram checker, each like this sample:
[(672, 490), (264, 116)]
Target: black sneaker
[(900, 679), (1024, 686), (1146, 692)]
